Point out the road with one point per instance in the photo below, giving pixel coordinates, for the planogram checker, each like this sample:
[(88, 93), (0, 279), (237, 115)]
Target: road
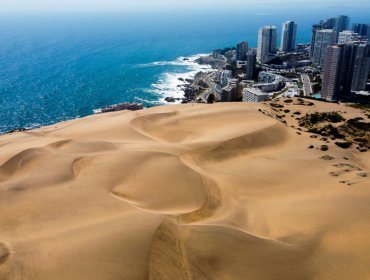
[(306, 85), (212, 87)]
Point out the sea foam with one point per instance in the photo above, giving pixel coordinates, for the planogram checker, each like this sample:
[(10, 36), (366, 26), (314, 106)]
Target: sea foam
[(171, 84)]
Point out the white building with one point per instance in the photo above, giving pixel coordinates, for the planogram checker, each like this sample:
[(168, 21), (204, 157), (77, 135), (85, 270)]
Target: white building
[(347, 36), (269, 82), (252, 94), (266, 43)]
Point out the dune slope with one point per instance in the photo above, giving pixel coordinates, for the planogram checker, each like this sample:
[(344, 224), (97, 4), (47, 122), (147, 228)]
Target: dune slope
[(225, 191)]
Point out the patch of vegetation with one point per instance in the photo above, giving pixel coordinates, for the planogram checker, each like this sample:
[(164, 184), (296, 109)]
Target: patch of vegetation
[(304, 103), (288, 100), (275, 105), (364, 106), (315, 118), (326, 130), (344, 145), (351, 131), (203, 84), (362, 149), (324, 148), (356, 124), (361, 140), (327, 157)]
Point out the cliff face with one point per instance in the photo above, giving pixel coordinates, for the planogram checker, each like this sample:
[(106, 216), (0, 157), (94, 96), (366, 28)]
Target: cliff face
[(223, 191)]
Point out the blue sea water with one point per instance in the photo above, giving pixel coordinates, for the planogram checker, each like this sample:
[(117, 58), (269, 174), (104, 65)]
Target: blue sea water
[(56, 67)]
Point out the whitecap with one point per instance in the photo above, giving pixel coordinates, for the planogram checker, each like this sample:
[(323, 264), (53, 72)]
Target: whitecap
[(171, 84)]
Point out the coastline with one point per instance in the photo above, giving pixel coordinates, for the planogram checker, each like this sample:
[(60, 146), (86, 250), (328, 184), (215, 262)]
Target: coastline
[(189, 83), (176, 87), (179, 87)]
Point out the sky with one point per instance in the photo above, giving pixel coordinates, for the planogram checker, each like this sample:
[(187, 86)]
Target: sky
[(100, 5)]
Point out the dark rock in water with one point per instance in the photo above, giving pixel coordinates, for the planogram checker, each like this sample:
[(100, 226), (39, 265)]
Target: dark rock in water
[(181, 79), (170, 99), (185, 59)]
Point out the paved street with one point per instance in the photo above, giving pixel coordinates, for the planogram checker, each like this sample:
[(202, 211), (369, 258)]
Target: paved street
[(306, 85)]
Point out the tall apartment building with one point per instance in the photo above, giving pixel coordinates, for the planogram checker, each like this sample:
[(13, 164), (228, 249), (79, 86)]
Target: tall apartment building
[(330, 89), (338, 24), (361, 67), (347, 68), (324, 39), (241, 51), (288, 36), (324, 24), (314, 30), (362, 30), (251, 65), (266, 43), (341, 24)]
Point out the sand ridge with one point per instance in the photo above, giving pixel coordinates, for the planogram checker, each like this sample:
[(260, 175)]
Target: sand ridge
[(223, 191)]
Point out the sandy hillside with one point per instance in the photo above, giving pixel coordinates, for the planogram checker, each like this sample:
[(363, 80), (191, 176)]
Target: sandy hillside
[(225, 191)]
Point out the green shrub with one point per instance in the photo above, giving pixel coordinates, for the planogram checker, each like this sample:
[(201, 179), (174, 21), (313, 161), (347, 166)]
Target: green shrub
[(343, 145)]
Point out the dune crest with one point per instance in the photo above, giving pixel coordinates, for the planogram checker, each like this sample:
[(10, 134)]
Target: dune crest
[(222, 191)]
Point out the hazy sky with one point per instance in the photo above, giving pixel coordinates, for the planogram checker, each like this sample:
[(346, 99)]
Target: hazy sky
[(37, 5)]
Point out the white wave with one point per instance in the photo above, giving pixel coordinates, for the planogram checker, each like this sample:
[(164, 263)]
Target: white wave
[(181, 61), (171, 84), (148, 101)]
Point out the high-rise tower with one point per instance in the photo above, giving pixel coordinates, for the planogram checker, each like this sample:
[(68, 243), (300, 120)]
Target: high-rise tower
[(324, 38), (346, 69), (266, 43), (288, 36), (241, 51)]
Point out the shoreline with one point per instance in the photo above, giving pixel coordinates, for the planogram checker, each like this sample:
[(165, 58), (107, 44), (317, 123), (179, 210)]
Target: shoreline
[(191, 85), (185, 87)]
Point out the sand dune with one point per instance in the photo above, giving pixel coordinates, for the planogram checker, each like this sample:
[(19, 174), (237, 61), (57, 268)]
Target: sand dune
[(224, 191)]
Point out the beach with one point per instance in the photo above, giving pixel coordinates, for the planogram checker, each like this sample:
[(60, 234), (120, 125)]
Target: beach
[(193, 191)]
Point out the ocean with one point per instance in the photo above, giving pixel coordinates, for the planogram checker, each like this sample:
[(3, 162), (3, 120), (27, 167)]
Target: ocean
[(56, 67)]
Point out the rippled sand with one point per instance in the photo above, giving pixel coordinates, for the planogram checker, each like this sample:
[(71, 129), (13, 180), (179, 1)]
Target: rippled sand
[(183, 192)]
